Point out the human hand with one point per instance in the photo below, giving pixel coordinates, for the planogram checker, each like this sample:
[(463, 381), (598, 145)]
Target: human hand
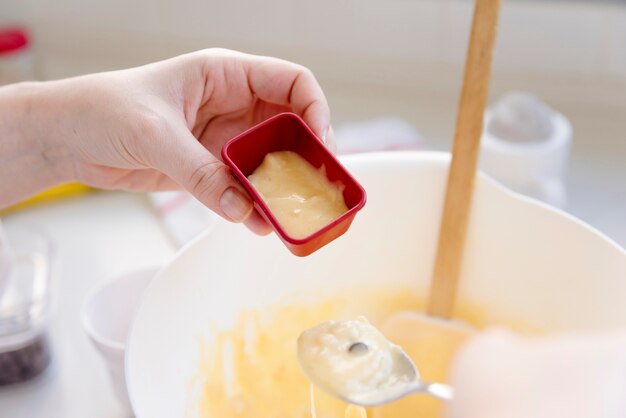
[(162, 126)]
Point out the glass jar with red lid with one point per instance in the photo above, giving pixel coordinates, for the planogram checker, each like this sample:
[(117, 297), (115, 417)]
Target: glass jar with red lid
[(16, 57)]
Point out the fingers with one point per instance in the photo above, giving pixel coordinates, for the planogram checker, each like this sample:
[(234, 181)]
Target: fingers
[(186, 161), (211, 182), (287, 84), (145, 180), (257, 224)]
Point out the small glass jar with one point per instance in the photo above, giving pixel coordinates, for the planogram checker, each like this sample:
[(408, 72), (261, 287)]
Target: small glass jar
[(25, 306), (16, 57)]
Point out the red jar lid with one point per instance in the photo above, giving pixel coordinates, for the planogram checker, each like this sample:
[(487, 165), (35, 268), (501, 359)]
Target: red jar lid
[(13, 39)]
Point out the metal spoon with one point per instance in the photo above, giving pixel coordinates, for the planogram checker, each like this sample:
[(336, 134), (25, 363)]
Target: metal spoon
[(337, 376), (408, 384)]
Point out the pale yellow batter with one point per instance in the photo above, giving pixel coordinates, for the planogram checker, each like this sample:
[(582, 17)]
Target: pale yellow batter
[(353, 360), (252, 370), (300, 196)]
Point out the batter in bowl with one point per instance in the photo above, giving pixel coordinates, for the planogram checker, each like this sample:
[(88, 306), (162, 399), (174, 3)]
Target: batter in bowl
[(251, 369)]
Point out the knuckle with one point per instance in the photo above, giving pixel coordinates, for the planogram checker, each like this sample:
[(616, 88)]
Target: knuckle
[(306, 73), (207, 179), (151, 125)]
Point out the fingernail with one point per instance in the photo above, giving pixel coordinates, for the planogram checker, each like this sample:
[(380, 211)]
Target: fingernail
[(235, 205)]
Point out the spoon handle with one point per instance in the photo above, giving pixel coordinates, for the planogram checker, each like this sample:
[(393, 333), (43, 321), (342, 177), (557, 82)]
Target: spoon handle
[(438, 390), (464, 159)]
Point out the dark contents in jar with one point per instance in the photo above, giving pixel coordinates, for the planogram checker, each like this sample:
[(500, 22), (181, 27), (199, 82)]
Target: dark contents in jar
[(24, 363)]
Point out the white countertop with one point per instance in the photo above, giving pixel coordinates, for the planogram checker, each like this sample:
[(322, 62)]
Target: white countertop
[(95, 237)]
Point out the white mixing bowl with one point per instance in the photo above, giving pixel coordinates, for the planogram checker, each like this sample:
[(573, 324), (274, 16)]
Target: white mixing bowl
[(523, 260)]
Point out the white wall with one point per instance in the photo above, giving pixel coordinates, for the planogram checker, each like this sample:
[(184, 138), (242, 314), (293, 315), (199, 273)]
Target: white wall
[(570, 51)]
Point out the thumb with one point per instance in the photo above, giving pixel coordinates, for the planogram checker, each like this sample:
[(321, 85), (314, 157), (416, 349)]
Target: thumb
[(185, 160)]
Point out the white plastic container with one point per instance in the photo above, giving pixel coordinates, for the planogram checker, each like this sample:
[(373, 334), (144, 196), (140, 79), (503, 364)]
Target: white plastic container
[(525, 146), (106, 317)]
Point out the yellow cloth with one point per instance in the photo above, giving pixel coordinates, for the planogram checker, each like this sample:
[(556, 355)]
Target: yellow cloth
[(52, 194)]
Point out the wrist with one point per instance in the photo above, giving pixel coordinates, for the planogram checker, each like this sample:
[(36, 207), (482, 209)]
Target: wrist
[(43, 123), (31, 151)]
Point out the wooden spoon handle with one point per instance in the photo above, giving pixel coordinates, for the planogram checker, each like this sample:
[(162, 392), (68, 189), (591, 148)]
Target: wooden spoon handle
[(465, 152)]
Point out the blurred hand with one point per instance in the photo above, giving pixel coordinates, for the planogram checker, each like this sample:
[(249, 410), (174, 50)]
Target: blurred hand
[(576, 375), (162, 126)]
